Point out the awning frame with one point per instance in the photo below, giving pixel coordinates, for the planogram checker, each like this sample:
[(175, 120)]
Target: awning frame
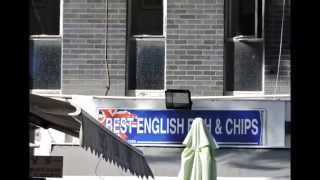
[(68, 118)]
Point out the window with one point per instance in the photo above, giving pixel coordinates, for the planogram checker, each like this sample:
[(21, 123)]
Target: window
[(244, 17), (45, 44), (244, 42), (151, 4), (44, 17), (146, 47), (146, 17)]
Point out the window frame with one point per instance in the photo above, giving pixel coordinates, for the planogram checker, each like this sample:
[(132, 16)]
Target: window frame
[(58, 36), (146, 92), (60, 25), (228, 38), (229, 14), (144, 6)]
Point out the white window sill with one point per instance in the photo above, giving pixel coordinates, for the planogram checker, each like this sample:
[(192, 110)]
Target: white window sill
[(146, 93), (244, 93), (45, 91)]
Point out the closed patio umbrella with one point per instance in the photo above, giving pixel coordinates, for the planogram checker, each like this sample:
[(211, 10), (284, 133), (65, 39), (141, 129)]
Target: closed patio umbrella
[(198, 157)]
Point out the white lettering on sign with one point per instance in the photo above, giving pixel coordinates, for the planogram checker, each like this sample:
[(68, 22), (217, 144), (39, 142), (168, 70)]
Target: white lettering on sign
[(241, 126), (173, 127), (208, 123), (123, 125), (109, 123), (147, 126), (155, 125), (254, 131), (180, 125), (140, 125), (130, 121), (236, 126), (116, 125), (228, 126), (247, 125), (159, 125), (163, 131)]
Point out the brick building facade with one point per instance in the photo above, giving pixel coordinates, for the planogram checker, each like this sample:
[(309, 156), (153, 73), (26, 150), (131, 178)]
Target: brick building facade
[(95, 37)]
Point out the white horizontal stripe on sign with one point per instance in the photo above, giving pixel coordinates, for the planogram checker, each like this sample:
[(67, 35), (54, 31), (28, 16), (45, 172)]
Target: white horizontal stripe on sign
[(156, 178)]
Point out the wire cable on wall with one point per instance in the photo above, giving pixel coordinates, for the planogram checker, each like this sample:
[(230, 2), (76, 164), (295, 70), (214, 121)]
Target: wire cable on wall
[(108, 76), (280, 50), (95, 170), (107, 34)]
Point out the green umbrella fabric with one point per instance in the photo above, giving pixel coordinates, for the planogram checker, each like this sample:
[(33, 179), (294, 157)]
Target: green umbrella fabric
[(198, 158)]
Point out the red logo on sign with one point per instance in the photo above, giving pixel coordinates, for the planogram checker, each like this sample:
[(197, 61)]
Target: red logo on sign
[(115, 113)]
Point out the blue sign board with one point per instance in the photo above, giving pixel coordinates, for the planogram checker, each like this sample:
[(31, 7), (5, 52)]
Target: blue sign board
[(236, 127)]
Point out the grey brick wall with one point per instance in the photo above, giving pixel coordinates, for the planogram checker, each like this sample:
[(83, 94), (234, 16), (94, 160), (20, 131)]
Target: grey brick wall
[(84, 46), (195, 46), (273, 30), (116, 45)]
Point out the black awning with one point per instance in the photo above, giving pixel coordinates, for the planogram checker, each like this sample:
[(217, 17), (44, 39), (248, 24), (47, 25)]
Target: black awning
[(61, 115), (111, 147), (51, 113)]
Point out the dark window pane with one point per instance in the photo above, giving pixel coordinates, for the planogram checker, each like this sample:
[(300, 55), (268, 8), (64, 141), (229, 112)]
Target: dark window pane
[(151, 3), (259, 19), (248, 66), (246, 23), (242, 18), (45, 63), (244, 66), (146, 65), (147, 17), (44, 17)]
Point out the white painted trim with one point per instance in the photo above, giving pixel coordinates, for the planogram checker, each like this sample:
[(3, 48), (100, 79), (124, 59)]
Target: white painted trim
[(164, 18), (221, 145), (46, 138), (263, 45), (61, 18), (179, 145), (61, 34), (129, 97), (264, 127), (156, 178), (146, 36), (46, 91), (61, 67), (252, 96), (65, 144), (285, 97), (256, 15), (51, 95), (33, 145), (44, 36), (240, 93), (146, 93)]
